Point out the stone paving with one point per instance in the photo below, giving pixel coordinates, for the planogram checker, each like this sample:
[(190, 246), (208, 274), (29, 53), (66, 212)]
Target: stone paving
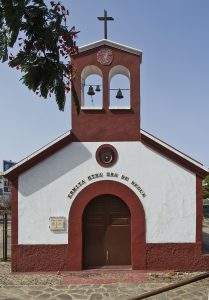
[(91, 292), (119, 291), (118, 284)]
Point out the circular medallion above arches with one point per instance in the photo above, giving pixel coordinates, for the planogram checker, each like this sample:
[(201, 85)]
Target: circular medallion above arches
[(106, 155)]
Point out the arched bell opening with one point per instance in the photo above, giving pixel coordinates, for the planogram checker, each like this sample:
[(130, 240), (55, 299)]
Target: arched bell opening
[(91, 88), (119, 86)]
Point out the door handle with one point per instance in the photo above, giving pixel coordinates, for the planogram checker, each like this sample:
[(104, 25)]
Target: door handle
[(107, 255)]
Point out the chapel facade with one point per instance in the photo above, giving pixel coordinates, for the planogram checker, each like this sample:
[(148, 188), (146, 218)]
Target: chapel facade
[(107, 193)]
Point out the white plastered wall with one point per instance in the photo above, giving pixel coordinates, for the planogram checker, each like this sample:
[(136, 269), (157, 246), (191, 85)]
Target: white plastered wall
[(170, 202)]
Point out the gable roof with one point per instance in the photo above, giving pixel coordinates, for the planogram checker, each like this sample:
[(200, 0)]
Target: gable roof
[(173, 154), (148, 139), (39, 155), (105, 42)]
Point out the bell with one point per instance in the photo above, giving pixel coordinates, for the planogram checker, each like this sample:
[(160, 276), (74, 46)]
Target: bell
[(91, 91), (119, 94), (97, 89)]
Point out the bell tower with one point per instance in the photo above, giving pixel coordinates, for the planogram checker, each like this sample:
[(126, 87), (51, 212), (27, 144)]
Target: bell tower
[(107, 83)]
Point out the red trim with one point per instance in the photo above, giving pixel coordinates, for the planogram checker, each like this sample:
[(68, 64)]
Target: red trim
[(137, 221), (199, 210), (14, 221), (14, 206), (173, 156), (173, 148)]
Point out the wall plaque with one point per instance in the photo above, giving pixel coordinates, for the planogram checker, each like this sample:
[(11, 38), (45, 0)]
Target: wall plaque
[(57, 223)]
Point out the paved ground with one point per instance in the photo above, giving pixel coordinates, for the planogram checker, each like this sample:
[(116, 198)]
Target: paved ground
[(95, 285), (119, 291)]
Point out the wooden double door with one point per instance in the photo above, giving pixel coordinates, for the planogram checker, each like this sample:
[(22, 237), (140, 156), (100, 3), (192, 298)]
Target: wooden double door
[(106, 232)]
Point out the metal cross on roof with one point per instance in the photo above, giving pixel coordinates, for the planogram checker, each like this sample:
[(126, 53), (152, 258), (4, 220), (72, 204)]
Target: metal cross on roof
[(105, 19)]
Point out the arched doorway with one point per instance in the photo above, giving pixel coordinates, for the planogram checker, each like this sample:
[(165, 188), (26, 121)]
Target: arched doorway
[(106, 232), (75, 230)]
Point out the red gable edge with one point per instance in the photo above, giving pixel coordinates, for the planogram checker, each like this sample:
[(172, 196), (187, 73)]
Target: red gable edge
[(201, 172), (45, 153)]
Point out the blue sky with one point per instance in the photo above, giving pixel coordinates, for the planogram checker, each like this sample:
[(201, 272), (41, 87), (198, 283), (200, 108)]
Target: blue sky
[(174, 37)]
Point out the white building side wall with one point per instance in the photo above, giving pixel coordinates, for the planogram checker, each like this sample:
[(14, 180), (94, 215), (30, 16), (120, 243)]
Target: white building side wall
[(169, 204)]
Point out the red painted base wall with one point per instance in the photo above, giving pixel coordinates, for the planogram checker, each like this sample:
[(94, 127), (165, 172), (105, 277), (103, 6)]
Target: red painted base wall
[(179, 257), (27, 258)]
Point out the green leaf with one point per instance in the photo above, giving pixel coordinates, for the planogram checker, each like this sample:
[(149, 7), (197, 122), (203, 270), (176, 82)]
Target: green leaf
[(17, 22), (33, 77), (60, 94), (1, 17), (75, 98), (9, 12), (3, 46), (5, 55)]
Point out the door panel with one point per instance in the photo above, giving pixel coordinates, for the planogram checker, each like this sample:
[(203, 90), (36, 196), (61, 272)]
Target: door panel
[(118, 245), (107, 232), (95, 251)]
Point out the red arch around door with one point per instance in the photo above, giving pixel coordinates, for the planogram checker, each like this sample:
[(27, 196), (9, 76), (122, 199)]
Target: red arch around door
[(138, 244)]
